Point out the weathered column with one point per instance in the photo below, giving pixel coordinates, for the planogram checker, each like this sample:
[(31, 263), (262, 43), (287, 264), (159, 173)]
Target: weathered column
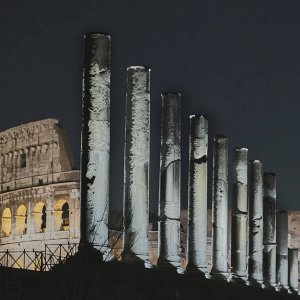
[(220, 208), (256, 222), (95, 142), (282, 248), (136, 165), (169, 190), (239, 228), (293, 269), (269, 229), (197, 219)]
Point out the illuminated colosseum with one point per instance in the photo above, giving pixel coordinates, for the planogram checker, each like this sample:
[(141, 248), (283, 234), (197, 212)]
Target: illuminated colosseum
[(39, 199)]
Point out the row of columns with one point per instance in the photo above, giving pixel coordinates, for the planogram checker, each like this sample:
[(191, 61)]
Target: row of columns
[(259, 252)]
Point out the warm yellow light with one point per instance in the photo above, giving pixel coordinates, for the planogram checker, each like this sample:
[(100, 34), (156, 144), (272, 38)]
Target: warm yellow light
[(21, 219), (39, 216), (6, 221)]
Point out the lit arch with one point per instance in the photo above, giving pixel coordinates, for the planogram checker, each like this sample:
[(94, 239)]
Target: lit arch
[(6, 222), (61, 215), (39, 216), (21, 219)]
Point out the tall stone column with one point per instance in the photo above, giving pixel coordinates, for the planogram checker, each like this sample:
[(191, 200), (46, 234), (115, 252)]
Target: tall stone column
[(269, 229), (197, 219), (293, 269), (239, 228), (256, 222), (282, 248), (169, 190), (136, 165), (95, 142), (220, 208)]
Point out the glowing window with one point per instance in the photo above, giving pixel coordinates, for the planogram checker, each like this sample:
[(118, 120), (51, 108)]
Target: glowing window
[(40, 217), (21, 219), (6, 221), (61, 215)]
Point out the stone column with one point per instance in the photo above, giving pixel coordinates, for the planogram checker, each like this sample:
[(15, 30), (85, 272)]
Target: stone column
[(256, 222), (169, 190), (197, 219), (95, 142), (136, 166), (282, 248), (269, 229), (239, 228), (293, 269), (220, 208)]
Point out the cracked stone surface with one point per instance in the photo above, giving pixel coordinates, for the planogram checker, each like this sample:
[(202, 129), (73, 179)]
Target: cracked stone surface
[(293, 268), (282, 248), (220, 206), (136, 165), (95, 141), (170, 166), (269, 228), (256, 221), (239, 247), (197, 219)]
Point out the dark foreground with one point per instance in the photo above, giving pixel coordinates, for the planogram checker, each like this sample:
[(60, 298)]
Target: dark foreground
[(85, 276)]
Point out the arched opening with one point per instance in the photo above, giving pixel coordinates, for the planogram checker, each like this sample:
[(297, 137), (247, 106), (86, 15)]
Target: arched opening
[(40, 217), (61, 215), (65, 216), (6, 222), (21, 219)]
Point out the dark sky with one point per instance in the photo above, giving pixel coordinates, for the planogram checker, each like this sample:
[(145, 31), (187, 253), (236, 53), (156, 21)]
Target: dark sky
[(237, 62)]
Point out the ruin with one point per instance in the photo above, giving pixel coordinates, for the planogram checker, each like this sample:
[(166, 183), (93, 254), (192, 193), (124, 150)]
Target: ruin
[(39, 198), (96, 140), (220, 208), (239, 240), (197, 218), (170, 183), (136, 166)]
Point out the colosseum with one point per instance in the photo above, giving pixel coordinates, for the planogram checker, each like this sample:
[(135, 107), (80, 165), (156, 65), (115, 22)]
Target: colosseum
[(40, 197)]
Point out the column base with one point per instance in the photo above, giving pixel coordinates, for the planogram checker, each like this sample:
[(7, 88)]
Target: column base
[(201, 271), (163, 264), (134, 259), (238, 279), (257, 283), (220, 275)]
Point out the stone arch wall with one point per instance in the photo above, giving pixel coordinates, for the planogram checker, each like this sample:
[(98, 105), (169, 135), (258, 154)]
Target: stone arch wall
[(37, 183), (26, 228)]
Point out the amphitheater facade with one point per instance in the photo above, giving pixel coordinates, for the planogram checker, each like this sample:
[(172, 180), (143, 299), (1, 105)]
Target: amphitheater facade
[(39, 199)]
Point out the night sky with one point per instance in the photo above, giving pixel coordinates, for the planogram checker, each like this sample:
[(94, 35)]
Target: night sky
[(237, 62)]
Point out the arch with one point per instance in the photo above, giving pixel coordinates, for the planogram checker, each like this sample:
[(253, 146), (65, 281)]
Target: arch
[(61, 215), (40, 217), (21, 219), (6, 221)]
